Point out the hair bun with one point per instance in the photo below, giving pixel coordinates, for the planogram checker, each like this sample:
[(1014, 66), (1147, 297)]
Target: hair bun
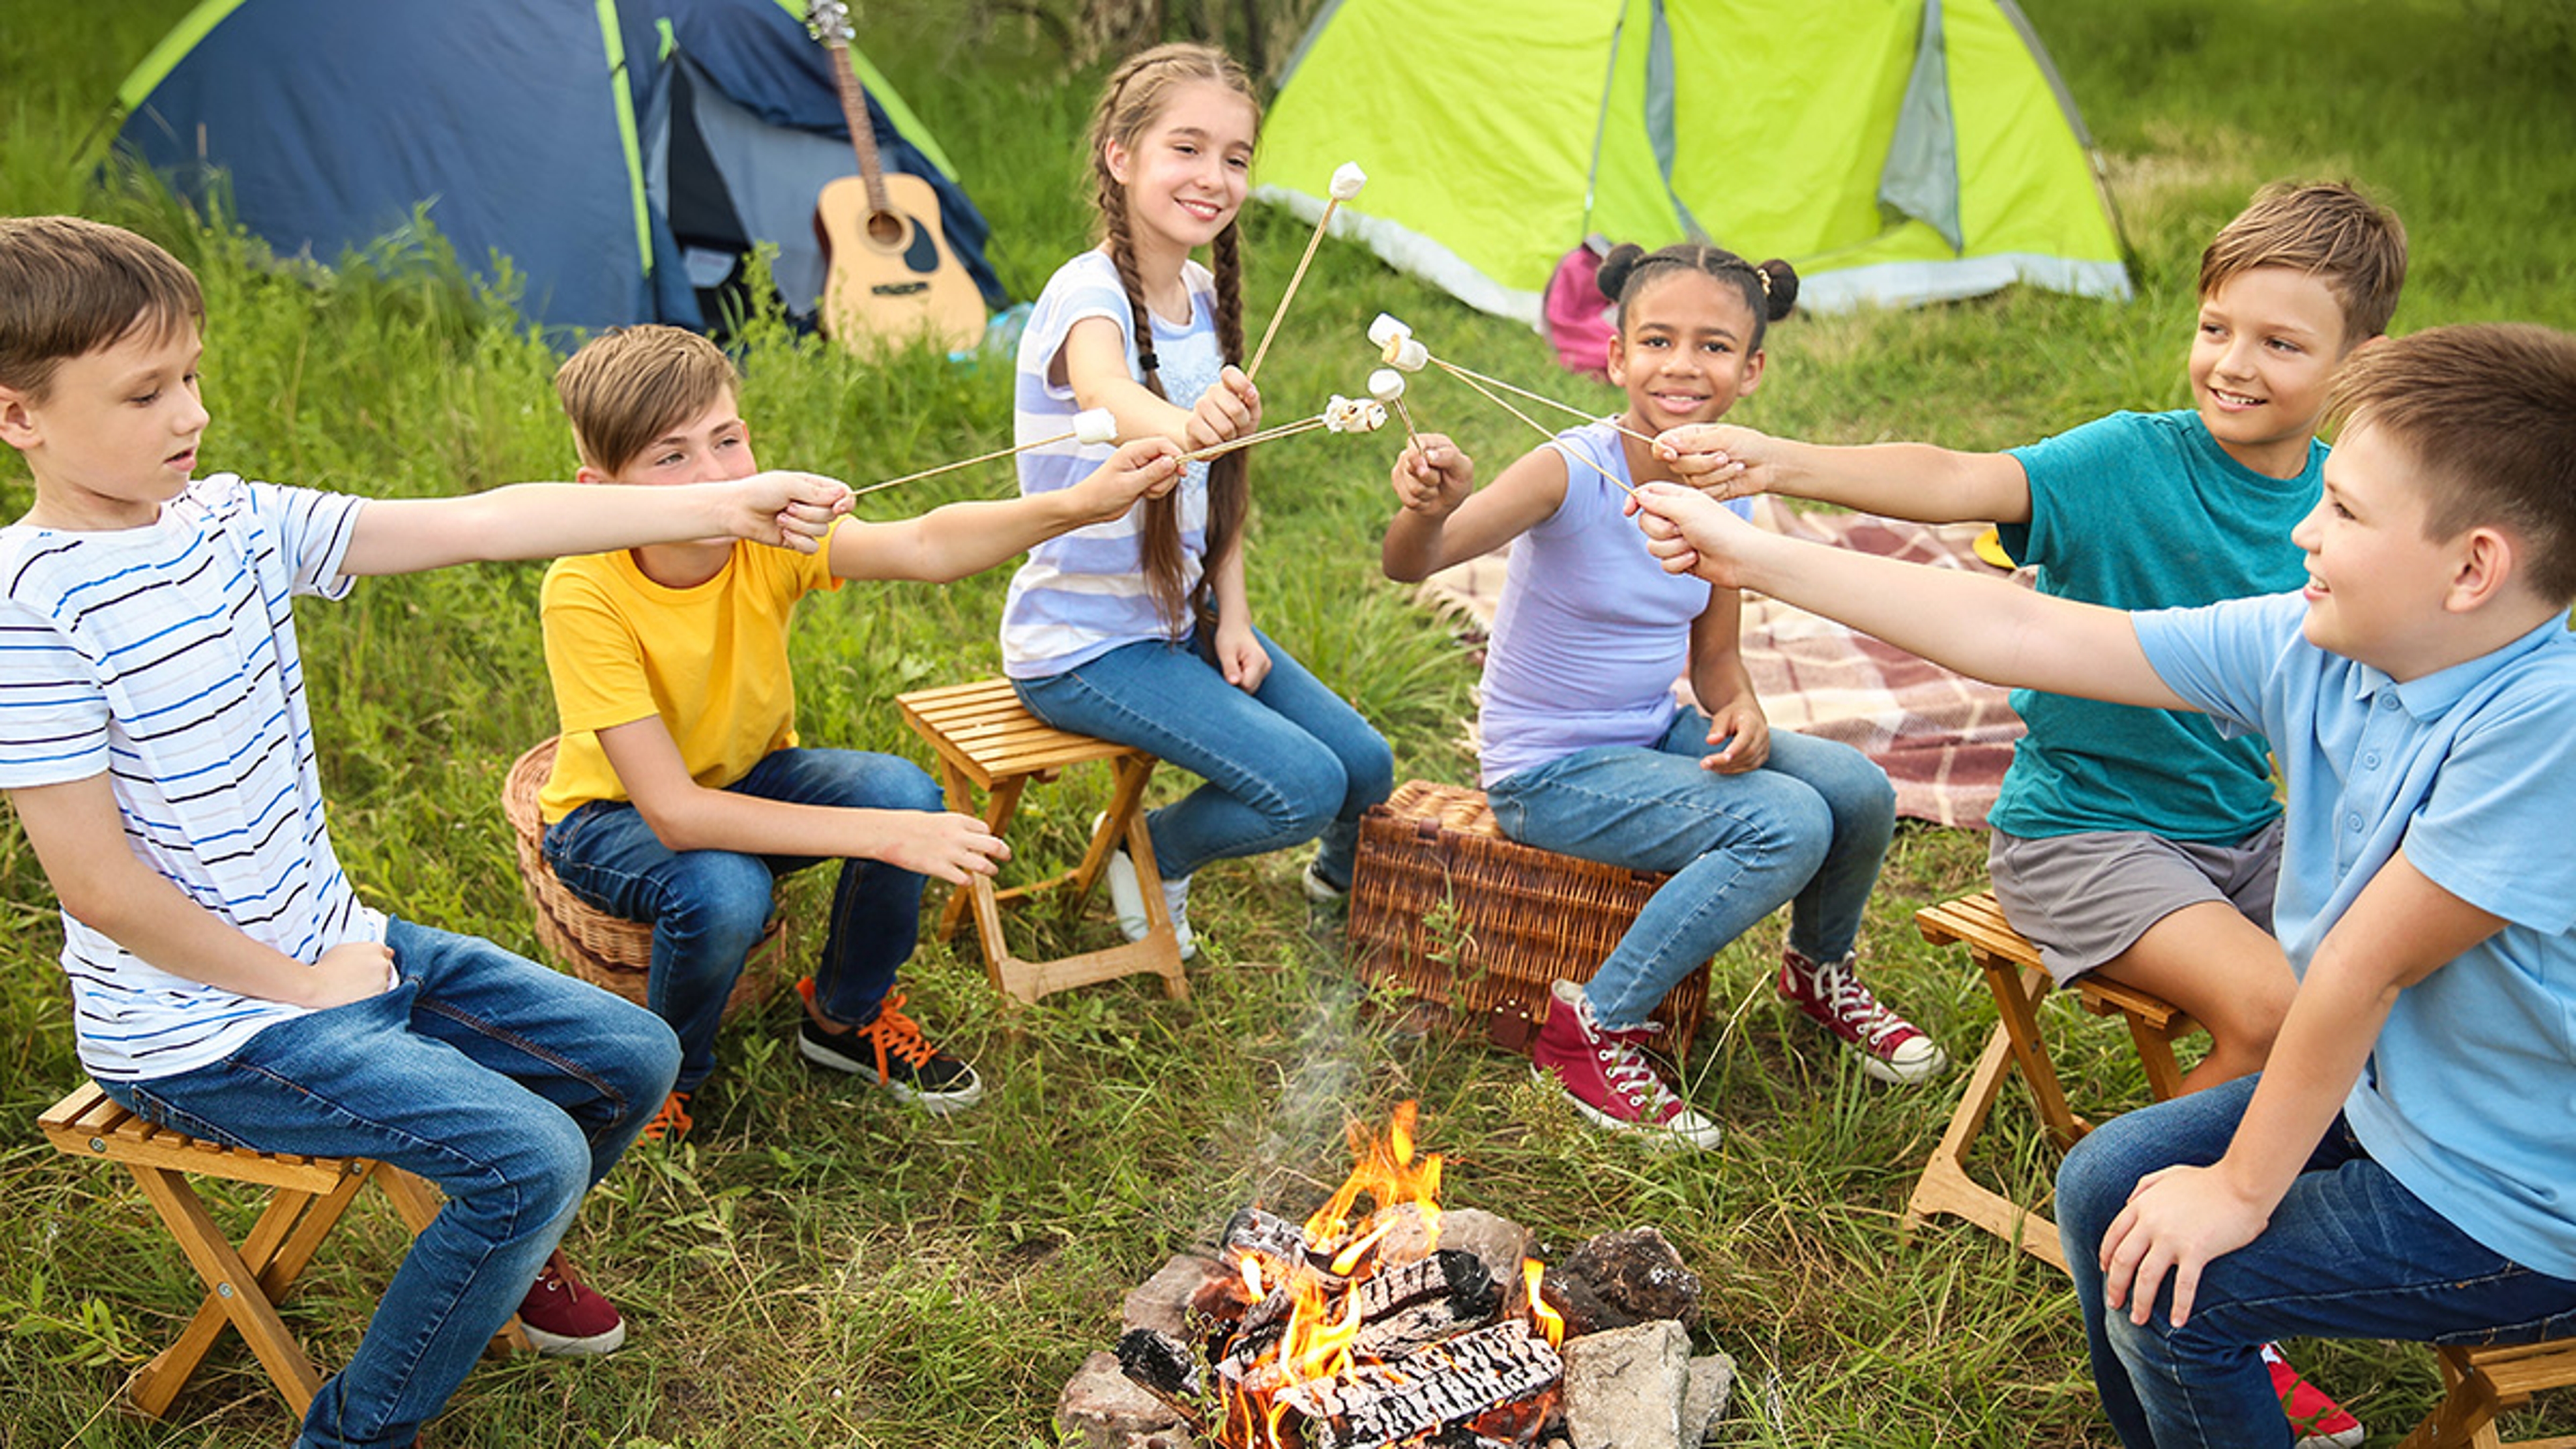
[(1779, 287), (1616, 268)]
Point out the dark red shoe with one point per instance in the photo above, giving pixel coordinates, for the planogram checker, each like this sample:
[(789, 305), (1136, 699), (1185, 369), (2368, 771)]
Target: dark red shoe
[(565, 1318)]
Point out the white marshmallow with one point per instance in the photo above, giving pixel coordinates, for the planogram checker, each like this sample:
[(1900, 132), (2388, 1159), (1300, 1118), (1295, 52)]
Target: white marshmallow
[(1095, 427), (1386, 329), (1386, 384), (1354, 415), (1407, 354), (1348, 178)]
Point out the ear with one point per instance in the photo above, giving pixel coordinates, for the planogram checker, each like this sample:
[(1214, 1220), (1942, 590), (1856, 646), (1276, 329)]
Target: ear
[(1115, 153), (18, 420), (588, 474), (1615, 366), (1752, 373), (2487, 563)]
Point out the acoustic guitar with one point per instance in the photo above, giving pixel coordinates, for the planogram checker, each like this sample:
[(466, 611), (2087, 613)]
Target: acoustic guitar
[(890, 272)]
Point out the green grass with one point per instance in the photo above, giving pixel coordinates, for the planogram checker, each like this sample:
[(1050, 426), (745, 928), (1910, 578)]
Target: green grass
[(818, 1266)]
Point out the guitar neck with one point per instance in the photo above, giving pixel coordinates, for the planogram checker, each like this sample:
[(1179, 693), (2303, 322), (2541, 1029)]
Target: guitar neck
[(863, 137)]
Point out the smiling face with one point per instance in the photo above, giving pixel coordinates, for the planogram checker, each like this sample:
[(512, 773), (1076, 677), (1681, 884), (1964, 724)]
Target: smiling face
[(1187, 172), (713, 446), (2267, 346), (2377, 586), (1682, 351), (113, 434)]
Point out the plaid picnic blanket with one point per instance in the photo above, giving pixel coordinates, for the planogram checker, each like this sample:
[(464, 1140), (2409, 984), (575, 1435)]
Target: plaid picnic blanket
[(1942, 738)]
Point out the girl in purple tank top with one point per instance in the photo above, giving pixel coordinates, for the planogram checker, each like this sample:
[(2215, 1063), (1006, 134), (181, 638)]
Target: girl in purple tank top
[(1586, 751)]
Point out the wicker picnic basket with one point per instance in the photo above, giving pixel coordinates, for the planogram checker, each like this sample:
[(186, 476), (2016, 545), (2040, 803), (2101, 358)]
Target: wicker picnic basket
[(1443, 908), (604, 950)]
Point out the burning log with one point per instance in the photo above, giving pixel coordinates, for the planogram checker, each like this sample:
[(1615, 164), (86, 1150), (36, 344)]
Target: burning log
[(1375, 1405), (1165, 1367)]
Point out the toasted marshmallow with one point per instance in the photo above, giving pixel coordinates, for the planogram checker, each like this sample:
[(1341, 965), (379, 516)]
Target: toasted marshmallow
[(1386, 329), (1406, 353)]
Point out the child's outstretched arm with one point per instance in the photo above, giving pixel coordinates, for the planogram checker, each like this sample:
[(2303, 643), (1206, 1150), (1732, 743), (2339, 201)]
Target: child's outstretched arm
[(1898, 480), (685, 815), (549, 520), (1986, 628), (1442, 519), (2400, 929), (956, 539), (79, 840), (1095, 363)]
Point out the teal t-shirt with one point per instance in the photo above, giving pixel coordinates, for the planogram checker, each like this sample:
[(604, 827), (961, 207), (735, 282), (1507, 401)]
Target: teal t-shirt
[(2146, 511)]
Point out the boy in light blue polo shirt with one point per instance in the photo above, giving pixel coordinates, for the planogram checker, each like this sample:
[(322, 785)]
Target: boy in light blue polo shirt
[(2402, 1166)]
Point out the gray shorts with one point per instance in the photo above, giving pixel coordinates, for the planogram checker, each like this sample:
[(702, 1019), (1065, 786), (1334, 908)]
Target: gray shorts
[(2083, 899)]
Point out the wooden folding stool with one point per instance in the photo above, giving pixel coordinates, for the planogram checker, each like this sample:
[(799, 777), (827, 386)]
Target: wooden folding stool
[(2480, 1383), (2014, 976), (987, 740), (244, 1284)]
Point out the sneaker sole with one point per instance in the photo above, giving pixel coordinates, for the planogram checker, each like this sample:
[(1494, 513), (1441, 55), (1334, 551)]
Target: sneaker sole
[(1660, 1136), (1879, 1069), (937, 1104), (556, 1345)]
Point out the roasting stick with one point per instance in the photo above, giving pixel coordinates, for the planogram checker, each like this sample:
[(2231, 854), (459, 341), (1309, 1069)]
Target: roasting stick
[(1401, 349), (1463, 375), (1342, 415), (1347, 180), (1387, 386), (1091, 428)]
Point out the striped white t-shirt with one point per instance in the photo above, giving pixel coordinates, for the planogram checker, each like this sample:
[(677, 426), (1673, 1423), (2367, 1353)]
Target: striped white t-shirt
[(1083, 593), (165, 656)]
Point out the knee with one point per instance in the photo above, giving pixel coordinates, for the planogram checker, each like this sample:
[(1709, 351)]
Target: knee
[(637, 1055), (909, 787), (1370, 770), (535, 1176), (2093, 1183), (1798, 831), (717, 906), (1309, 785)]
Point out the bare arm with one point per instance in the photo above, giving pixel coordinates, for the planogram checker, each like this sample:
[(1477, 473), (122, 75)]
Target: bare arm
[(1443, 519), (1898, 480), (1724, 689), (1986, 628), (548, 520), (1095, 364), (79, 839), (957, 539), (685, 815), (2400, 929)]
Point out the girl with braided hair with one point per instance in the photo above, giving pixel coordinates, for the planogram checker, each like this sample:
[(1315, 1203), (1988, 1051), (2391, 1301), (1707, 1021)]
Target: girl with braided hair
[(1140, 630), (1586, 751)]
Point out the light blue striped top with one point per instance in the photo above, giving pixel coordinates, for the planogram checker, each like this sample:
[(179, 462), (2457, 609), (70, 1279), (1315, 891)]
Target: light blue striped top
[(165, 656), (1083, 593)]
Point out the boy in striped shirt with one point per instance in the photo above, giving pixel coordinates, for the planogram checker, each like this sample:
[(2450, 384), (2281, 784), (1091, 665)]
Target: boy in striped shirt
[(156, 743)]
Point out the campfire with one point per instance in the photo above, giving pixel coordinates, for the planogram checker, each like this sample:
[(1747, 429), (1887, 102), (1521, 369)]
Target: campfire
[(1405, 1326)]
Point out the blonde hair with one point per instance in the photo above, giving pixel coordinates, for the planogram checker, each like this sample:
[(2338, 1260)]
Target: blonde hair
[(2327, 230), (1135, 95), (2487, 414), (70, 287), (631, 385)]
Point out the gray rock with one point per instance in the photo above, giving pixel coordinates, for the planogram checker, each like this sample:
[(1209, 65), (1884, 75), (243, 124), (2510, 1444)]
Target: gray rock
[(1162, 1302), (1498, 1241), (1108, 1412), (1622, 1278), (1624, 1387), (1712, 1383)]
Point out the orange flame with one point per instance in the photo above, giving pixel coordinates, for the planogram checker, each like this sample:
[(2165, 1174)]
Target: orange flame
[(1549, 1321)]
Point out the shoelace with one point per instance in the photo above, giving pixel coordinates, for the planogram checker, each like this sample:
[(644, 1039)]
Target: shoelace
[(1630, 1075), (895, 1034), (558, 1274), (1852, 1003), (674, 1118)]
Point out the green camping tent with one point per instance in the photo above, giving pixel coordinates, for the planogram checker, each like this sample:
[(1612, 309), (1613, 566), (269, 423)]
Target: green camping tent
[(1896, 151)]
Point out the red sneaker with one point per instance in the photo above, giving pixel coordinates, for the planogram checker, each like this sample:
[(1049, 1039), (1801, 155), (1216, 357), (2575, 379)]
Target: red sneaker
[(1891, 1048), (564, 1318), (2320, 1422), (1607, 1075)]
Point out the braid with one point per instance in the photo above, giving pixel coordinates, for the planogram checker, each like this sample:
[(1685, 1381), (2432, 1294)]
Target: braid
[(1230, 474)]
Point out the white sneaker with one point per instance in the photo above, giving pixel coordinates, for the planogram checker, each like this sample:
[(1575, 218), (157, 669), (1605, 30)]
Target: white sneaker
[(1322, 891), (1127, 899)]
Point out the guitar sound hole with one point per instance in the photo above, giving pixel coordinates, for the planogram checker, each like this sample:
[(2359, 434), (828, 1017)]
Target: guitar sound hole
[(886, 229)]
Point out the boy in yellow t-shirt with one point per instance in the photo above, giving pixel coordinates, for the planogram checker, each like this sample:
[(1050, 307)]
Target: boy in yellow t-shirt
[(680, 793)]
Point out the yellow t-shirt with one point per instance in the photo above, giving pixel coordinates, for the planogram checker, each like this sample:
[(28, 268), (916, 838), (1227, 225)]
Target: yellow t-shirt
[(710, 660)]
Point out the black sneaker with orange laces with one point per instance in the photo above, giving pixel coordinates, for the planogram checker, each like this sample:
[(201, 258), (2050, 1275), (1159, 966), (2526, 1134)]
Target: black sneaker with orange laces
[(671, 1123), (565, 1318), (892, 1049)]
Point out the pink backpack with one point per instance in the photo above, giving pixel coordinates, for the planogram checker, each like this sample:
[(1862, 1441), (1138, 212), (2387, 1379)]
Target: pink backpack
[(1578, 316)]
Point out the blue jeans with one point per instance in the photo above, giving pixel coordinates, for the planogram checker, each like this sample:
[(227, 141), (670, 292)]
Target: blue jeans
[(1287, 763), (511, 1087), (708, 907), (1808, 829), (2349, 1253)]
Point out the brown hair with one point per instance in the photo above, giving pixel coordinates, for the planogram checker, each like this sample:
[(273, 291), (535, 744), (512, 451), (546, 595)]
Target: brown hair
[(2488, 414), (1135, 95), (1770, 289), (2327, 230), (630, 385), (69, 287)]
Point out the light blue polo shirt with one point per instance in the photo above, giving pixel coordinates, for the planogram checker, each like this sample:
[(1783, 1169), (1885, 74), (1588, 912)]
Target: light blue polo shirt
[(2470, 1095)]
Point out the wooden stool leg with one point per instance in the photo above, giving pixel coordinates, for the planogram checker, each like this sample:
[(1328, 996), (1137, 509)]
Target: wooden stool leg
[(2155, 1050), (1126, 803), (2017, 992), (1946, 1187), (235, 1291), (2465, 1419), (959, 791)]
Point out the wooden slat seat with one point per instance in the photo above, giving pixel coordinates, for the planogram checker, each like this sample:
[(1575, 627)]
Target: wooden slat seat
[(2480, 1383), (987, 741), (244, 1283)]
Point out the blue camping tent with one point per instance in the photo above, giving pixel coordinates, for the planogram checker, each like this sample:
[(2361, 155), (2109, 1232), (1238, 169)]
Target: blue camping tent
[(621, 155)]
